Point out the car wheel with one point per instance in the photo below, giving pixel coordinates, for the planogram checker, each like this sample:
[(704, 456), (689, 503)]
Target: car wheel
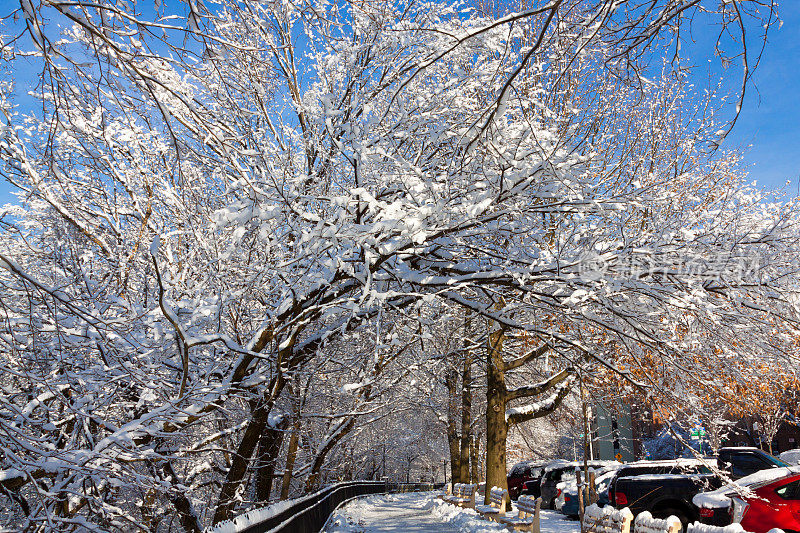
[(670, 511)]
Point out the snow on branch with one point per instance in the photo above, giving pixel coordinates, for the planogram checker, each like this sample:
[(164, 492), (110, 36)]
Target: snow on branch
[(516, 415)]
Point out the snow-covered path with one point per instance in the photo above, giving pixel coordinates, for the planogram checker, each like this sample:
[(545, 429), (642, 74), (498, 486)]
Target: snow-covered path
[(424, 513), (397, 512)]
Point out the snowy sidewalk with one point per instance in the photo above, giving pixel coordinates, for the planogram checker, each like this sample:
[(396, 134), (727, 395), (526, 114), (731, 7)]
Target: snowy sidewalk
[(395, 512), (422, 512)]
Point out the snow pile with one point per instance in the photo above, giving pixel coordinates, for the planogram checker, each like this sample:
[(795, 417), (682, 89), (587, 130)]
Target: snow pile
[(468, 521), (645, 523), (460, 518)]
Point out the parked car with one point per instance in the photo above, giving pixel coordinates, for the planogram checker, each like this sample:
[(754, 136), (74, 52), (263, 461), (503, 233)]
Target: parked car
[(533, 487), (523, 472), (743, 461), (665, 494), (552, 476), (567, 499), (775, 503), (648, 467), (748, 466)]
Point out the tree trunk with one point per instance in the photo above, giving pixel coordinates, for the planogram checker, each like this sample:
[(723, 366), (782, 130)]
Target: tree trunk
[(269, 446), (466, 417), (474, 475), (231, 488), (291, 456), (496, 424), (313, 478), (451, 383), (186, 514)]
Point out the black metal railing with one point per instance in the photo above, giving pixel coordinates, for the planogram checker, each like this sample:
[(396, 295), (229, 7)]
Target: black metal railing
[(309, 514)]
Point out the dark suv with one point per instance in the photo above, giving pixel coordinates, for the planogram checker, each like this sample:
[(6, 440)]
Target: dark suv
[(664, 488), (744, 461)]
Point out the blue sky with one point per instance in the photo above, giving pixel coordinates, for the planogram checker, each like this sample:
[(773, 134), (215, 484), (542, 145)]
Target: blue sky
[(768, 128), (770, 119)]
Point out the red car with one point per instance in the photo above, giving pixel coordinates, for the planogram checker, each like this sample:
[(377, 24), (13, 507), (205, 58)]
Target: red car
[(521, 473), (776, 505)]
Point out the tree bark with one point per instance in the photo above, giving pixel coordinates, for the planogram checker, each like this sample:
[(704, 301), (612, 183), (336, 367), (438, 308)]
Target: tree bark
[(269, 446), (474, 476), (451, 383), (186, 514), (466, 417), (229, 495), (313, 478), (291, 456), (496, 424)]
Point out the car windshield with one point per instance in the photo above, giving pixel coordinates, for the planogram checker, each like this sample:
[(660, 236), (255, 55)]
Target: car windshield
[(777, 462)]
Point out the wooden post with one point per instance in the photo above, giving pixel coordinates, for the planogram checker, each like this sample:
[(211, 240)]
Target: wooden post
[(535, 524), (627, 518), (675, 526), (593, 497), (579, 484), (472, 490), (505, 505)]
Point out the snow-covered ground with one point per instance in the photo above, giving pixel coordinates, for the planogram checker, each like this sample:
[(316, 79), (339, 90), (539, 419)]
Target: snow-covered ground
[(423, 512)]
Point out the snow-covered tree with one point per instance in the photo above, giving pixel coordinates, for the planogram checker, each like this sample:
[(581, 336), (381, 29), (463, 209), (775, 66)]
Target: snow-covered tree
[(217, 199)]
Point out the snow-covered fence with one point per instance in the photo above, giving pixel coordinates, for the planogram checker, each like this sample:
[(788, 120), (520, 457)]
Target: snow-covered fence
[(645, 523), (309, 513), (610, 520), (607, 520), (697, 527)]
